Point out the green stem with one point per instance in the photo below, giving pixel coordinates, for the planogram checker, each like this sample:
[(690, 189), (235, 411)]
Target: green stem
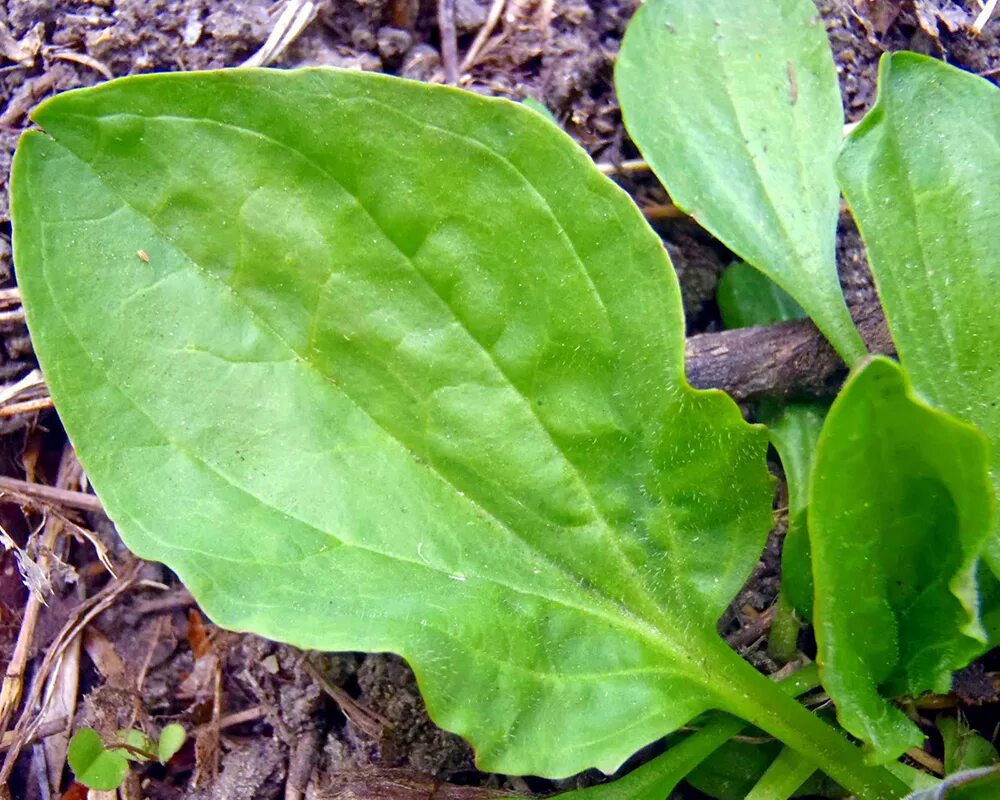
[(743, 691), (659, 777), (785, 774)]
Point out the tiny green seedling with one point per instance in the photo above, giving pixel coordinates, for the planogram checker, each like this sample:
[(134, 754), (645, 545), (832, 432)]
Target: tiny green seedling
[(103, 767), (409, 377)]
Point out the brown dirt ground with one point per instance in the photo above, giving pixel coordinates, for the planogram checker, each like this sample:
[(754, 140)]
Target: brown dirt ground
[(286, 723)]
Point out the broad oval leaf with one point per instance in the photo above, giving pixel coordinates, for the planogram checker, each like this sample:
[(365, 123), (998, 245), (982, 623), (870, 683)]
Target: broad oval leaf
[(900, 505), (738, 112), (381, 366), (93, 765), (922, 175)]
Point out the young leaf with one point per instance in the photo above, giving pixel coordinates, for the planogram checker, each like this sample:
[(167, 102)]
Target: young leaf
[(738, 112), (540, 108), (140, 743), (402, 372), (922, 174), (92, 764), (963, 747), (900, 504), (171, 740), (747, 297), (732, 772)]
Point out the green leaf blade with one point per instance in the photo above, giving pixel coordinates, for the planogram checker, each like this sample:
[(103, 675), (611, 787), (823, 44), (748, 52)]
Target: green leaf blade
[(358, 400), (899, 504), (963, 747), (172, 739), (921, 174), (747, 297), (93, 765), (740, 117)]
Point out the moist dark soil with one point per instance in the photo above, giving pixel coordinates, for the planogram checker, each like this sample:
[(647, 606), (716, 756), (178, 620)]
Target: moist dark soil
[(271, 721)]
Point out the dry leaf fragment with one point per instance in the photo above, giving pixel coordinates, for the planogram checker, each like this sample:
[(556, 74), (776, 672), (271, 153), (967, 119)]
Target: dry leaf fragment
[(877, 15), (32, 575), (22, 51), (932, 14)]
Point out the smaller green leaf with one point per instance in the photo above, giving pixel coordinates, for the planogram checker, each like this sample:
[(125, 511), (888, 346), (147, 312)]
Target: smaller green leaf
[(732, 772), (963, 747), (171, 740), (540, 108), (95, 766), (739, 115), (138, 740), (747, 297), (921, 173), (900, 505)]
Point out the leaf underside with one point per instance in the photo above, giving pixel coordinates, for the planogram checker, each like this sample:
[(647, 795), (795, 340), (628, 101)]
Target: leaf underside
[(922, 174), (739, 115), (402, 372), (900, 506)]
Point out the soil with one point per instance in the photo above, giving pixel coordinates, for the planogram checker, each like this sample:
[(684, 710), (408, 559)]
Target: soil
[(272, 721)]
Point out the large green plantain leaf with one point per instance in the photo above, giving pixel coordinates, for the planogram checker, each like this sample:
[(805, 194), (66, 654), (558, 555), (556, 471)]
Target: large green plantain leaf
[(900, 507), (737, 109), (922, 175), (381, 366)]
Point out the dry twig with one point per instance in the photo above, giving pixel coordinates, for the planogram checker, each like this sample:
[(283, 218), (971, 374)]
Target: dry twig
[(366, 720), (627, 167), (26, 407), (84, 613), (83, 60), (786, 359), (10, 691), (484, 33), (449, 40), (984, 16), (294, 18), (38, 495)]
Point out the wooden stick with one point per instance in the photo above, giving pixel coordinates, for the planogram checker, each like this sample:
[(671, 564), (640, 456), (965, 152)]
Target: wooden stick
[(789, 359), (449, 40), (23, 491)]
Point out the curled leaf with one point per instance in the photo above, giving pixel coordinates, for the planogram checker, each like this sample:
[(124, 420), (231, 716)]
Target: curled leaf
[(900, 507)]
